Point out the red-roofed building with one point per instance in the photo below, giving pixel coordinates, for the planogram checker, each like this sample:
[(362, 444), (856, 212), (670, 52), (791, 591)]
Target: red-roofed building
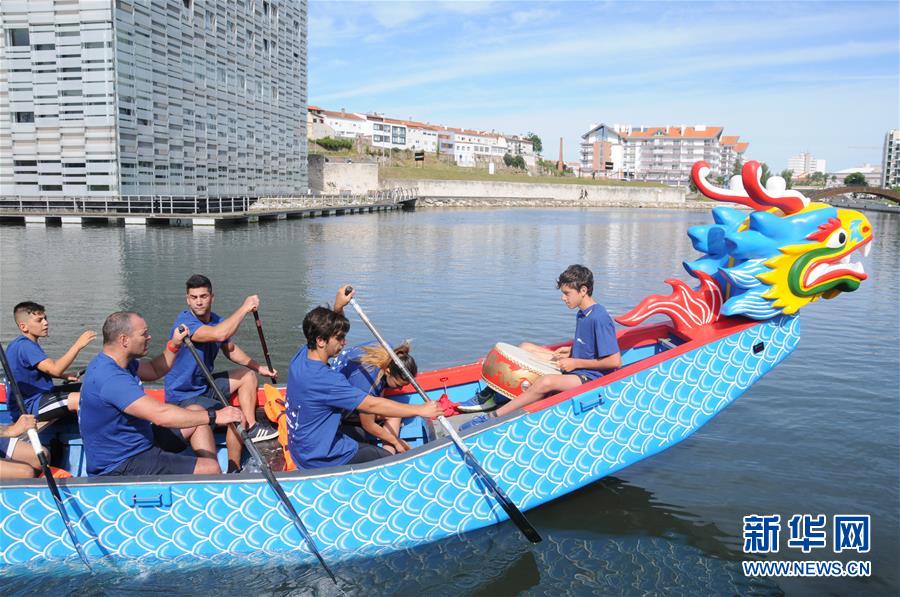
[(661, 153)]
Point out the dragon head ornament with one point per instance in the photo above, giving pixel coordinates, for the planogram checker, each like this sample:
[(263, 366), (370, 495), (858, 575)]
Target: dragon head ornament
[(786, 254)]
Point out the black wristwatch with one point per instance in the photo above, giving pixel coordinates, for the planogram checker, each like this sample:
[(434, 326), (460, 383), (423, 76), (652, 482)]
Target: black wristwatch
[(211, 412)]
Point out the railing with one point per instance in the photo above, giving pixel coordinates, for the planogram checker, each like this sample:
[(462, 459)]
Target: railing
[(184, 205)]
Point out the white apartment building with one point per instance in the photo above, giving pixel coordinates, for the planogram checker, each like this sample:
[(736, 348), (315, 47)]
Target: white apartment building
[(177, 97), (890, 160), (661, 154), (732, 152), (344, 125), (805, 163)]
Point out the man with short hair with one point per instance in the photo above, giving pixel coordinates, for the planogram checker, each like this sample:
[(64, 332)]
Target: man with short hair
[(186, 384), (318, 396), (118, 419), (34, 370)]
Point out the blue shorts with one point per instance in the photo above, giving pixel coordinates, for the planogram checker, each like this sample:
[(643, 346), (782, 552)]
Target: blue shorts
[(157, 461), (210, 399)]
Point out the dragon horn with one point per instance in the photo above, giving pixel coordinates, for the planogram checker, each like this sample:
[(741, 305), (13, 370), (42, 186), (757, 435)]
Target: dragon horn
[(699, 173), (774, 194)]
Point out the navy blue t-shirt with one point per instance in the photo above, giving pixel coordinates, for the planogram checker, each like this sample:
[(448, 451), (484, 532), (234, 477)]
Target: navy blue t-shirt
[(360, 376), (110, 435), (23, 355), (595, 338), (185, 380), (317, 397)]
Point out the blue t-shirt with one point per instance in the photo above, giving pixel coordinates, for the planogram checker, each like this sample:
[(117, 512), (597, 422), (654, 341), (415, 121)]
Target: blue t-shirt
[(595, 338), (317, 397), (24, 355), (110, 435), (360, 376), (185, 380)]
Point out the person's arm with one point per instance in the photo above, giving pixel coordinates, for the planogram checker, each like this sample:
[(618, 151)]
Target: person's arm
[(163, 414), (158, 367), (382, 433), (57, 367), (236, 355), (22, 424), (342, 299), (607, 363), (228, 327), (390, 408)]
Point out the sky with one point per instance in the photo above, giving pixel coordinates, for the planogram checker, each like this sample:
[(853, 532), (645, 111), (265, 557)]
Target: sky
[(788, 77)]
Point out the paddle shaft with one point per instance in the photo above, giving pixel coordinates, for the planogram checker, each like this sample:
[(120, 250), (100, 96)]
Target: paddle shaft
[(42, 459), (508, 506), (263, 465), (265, 347)]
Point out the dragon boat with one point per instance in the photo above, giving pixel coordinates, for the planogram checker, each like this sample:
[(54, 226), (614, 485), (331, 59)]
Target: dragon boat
[(757, 269)]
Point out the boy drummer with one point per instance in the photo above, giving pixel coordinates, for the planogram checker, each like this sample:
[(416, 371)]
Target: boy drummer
[(594, 349)]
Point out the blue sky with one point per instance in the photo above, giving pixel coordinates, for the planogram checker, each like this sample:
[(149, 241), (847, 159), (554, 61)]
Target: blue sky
[(787, 77)]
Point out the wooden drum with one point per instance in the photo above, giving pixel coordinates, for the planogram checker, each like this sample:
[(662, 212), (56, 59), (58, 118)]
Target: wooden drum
[(511, 370)]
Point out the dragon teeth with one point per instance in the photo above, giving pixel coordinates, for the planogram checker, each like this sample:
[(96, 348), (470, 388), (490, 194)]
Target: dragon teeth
[(866, 250)]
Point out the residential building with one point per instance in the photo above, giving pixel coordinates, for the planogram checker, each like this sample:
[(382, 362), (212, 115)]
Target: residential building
[(101, 99), (804, 164), (732, 153), (662, 154), (890, 160), (467, 146)]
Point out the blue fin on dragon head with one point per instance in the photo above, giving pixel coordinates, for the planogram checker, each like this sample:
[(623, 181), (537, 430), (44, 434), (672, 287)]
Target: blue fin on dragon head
[(786, 254)]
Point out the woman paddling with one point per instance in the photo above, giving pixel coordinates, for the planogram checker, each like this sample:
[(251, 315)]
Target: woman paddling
[(369, 367)]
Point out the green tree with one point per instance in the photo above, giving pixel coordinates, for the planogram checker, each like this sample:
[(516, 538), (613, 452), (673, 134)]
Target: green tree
[(535, 142), (736, 169), (518, 162), (766, 173), (507, 159), (788, 176), (857, 179)]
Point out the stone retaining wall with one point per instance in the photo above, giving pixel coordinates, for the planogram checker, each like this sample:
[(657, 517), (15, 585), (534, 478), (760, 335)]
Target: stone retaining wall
[(471, 193)]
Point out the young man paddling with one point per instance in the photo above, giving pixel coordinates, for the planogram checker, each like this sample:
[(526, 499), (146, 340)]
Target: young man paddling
[(185, 383), (34, 370), (118, 419), (317, 396)]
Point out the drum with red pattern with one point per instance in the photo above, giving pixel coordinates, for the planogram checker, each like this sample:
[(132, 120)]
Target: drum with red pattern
[(511, 370)]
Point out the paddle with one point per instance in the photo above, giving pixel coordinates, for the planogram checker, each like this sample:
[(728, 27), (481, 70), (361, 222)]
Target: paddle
[(511, 510), (263, 465), (265, 347), (45, 466)]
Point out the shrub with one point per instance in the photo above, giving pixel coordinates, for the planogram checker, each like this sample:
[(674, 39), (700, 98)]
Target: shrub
[(332, 144)]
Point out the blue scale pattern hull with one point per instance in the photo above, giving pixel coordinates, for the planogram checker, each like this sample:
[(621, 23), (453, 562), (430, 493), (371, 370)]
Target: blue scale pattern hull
[(423, 497)]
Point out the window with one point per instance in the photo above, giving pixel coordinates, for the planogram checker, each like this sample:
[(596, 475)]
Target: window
[(24, 116), (18, 37), (97, 187), (45, 47), (51, 187)]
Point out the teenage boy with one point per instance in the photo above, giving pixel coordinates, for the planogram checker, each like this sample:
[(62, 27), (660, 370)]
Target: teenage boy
[(185, 384), (594, 350), (118, 420), (317, 396), (34, 370)]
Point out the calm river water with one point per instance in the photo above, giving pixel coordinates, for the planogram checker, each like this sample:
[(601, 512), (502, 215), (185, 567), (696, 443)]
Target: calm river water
[(820, 434)]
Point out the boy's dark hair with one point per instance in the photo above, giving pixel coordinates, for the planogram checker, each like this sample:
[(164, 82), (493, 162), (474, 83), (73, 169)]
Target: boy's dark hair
[(577, 276), (27, 308), (323, 323), (197, 281)]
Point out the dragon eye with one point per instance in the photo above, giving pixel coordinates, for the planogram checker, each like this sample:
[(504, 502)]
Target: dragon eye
[(837, 239)]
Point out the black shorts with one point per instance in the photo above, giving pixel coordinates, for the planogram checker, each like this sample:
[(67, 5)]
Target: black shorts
[(157, 461), (53, 404), (210, 399), (367, 453)]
